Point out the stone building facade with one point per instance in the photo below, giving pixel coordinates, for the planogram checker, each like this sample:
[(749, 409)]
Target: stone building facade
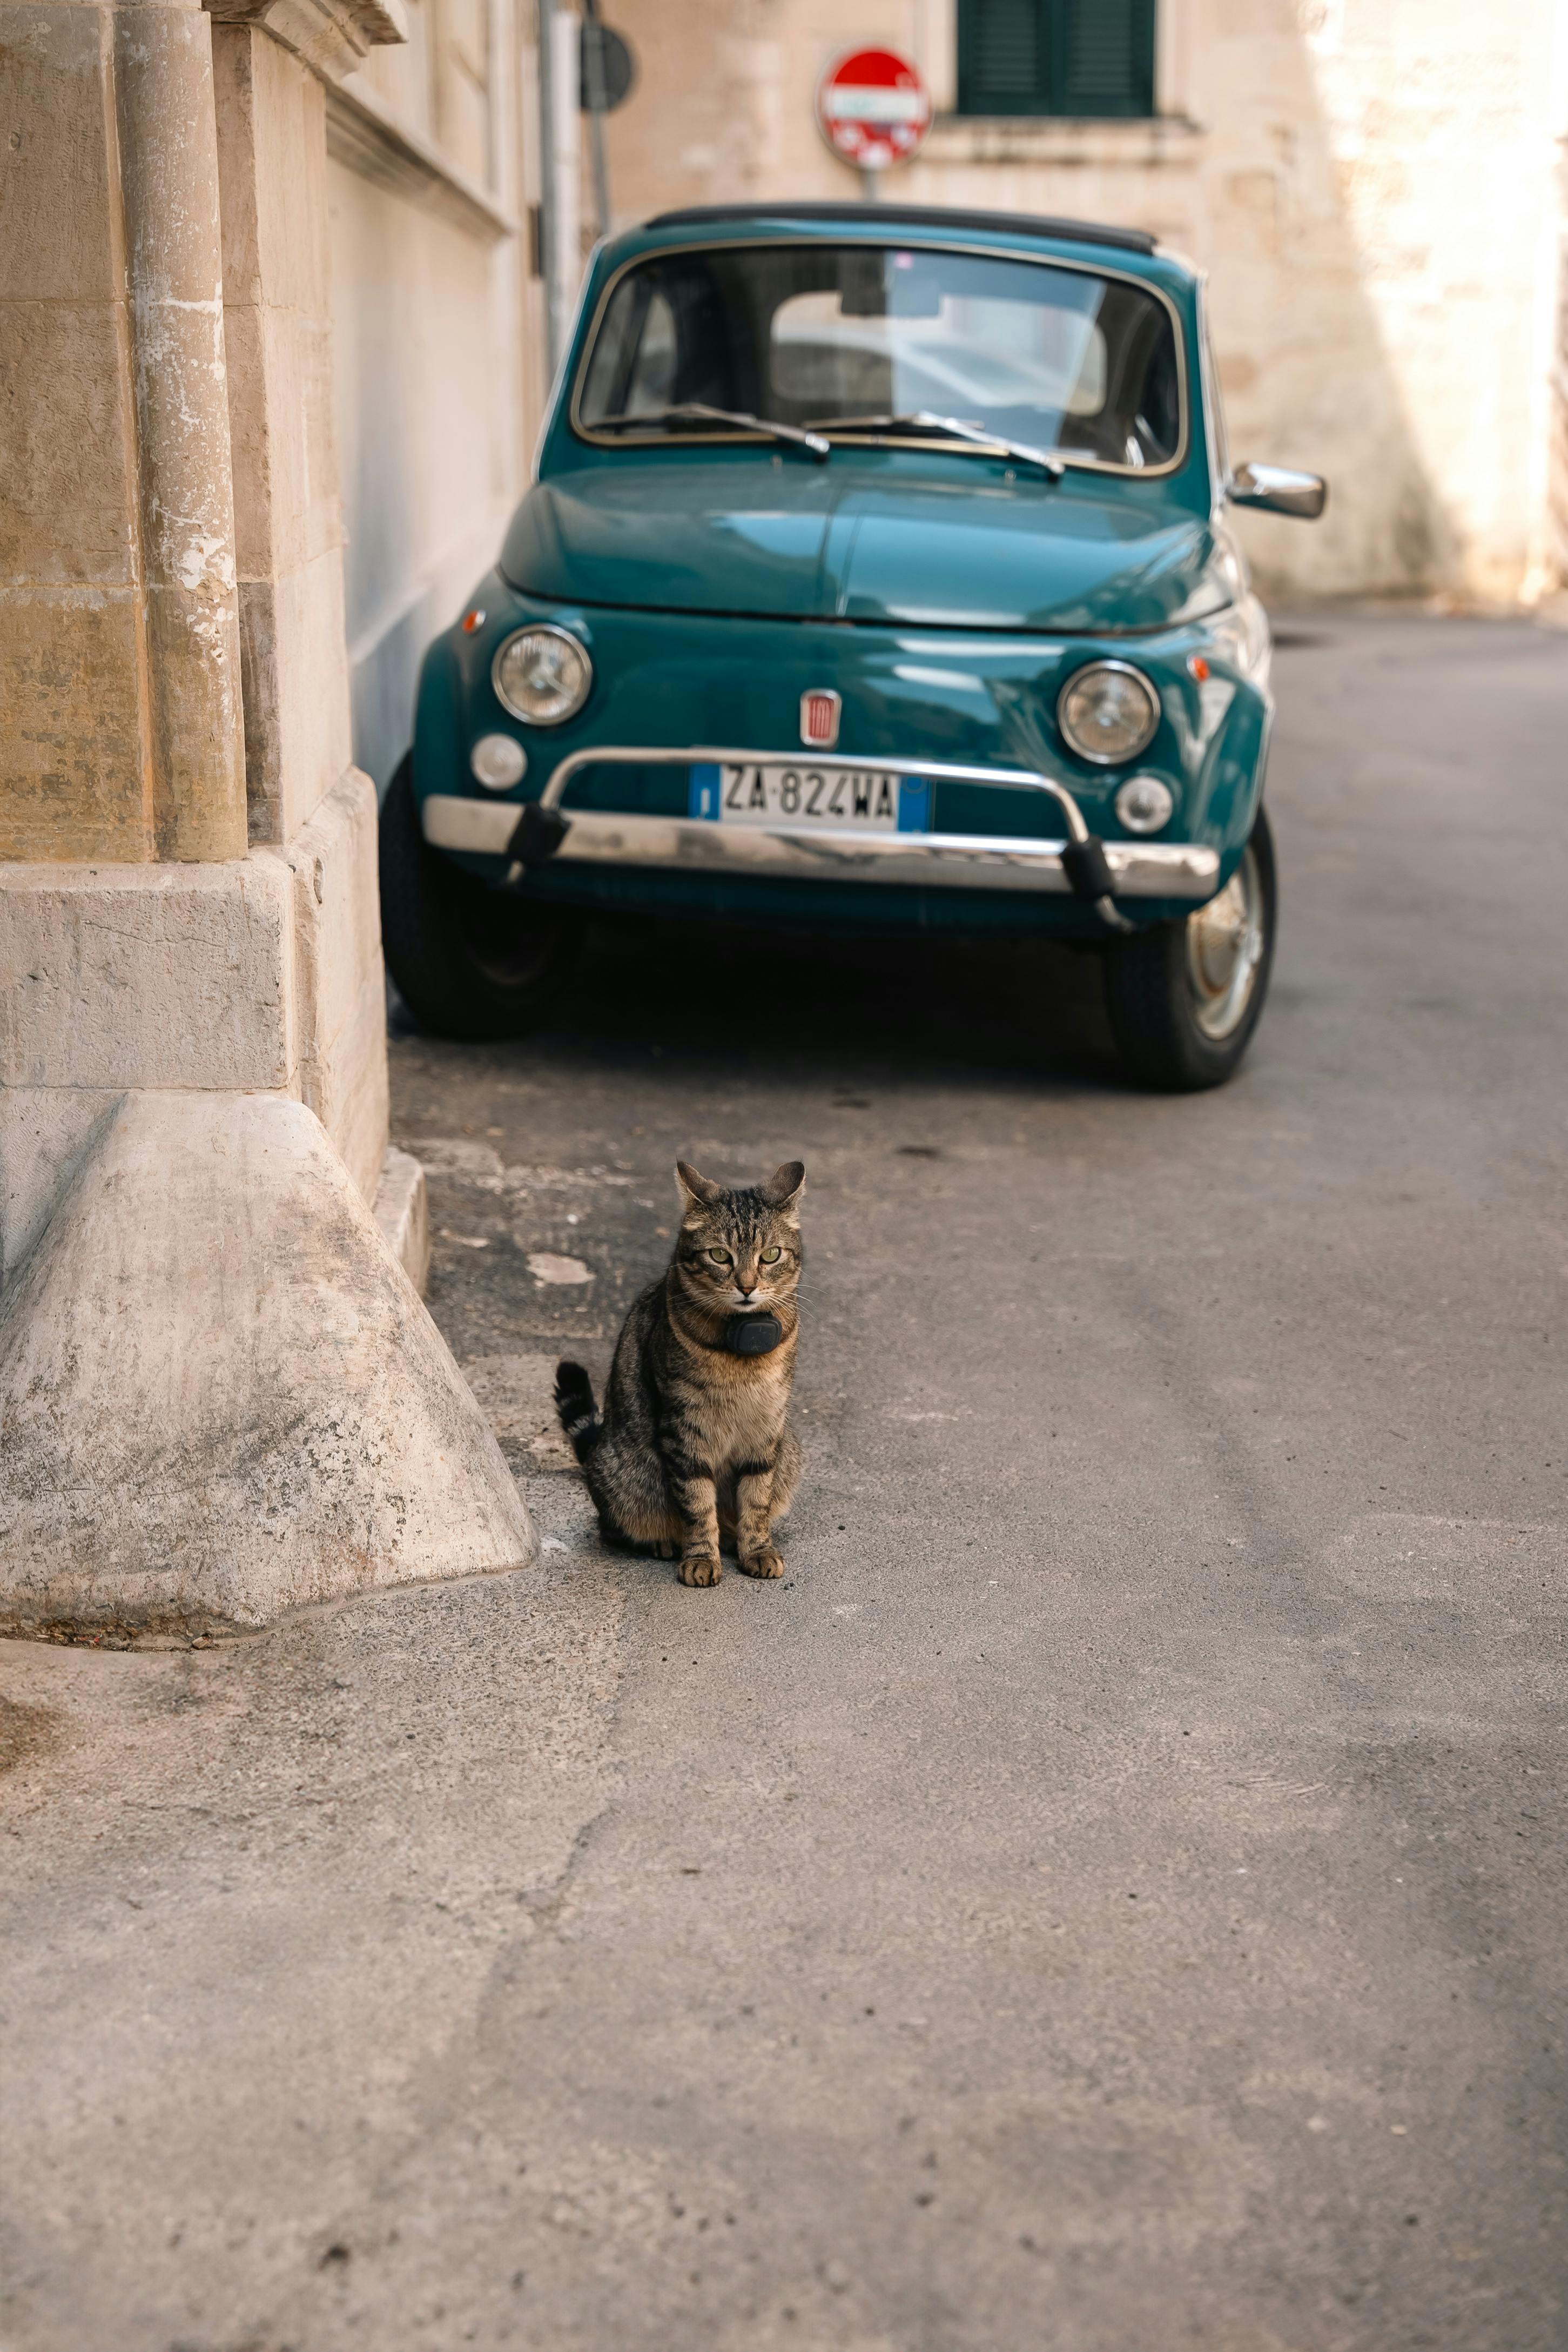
[(220, 1394), (1373, 186)]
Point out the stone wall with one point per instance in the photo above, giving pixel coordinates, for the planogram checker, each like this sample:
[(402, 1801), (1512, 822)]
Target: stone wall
[(215, 1376), (1371, 184)]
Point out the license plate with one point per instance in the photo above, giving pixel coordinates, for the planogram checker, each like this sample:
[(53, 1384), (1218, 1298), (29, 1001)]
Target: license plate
[(779, 793)]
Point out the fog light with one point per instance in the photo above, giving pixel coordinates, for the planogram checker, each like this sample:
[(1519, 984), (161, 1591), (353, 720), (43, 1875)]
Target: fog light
[(498, 761), (542, 674), (1108, 712), (1144, 803)]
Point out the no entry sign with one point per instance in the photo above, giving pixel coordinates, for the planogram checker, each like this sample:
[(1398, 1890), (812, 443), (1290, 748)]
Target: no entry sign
[(873, 109)]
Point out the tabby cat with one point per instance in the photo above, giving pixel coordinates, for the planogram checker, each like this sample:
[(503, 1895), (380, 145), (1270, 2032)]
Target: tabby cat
[(694, 1443)]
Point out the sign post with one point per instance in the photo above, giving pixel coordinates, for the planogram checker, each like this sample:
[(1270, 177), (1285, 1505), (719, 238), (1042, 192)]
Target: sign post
[(873, 109)]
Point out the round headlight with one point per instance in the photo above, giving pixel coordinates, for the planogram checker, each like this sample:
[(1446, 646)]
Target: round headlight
[(1144, 803), (1108, 712), (499, 761), (542, 674)]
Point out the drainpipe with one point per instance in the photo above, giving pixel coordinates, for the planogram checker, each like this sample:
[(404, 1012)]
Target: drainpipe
[(593, 105), (560, 163), (547, 178)]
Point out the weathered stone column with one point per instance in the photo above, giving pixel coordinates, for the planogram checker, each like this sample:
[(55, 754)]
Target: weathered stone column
[(220, 1394), (172, 311), (119, 702)]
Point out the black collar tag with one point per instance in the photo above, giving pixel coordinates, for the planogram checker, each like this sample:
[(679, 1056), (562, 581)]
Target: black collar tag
[(752, 1334)]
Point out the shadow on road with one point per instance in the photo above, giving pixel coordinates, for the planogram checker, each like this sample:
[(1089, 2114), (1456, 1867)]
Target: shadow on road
[(937, 1010)]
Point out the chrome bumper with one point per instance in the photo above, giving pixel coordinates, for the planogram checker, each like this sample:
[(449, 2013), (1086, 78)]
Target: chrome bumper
[(1142, 869)]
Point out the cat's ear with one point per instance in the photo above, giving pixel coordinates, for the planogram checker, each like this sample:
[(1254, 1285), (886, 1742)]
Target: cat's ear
[(785, 1186), (696, 1191)]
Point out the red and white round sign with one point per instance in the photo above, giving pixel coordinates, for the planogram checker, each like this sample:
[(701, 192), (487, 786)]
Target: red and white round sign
[(872, 108)]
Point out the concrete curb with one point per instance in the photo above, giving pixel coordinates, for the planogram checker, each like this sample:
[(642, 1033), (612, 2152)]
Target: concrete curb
[(402, 1214)]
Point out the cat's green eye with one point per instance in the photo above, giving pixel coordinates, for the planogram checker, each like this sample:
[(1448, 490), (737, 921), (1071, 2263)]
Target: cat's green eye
[(771, 1256), (719, 1257)]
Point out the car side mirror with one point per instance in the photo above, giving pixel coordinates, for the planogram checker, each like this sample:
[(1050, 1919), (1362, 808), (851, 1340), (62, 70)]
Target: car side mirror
[(1278, 490)]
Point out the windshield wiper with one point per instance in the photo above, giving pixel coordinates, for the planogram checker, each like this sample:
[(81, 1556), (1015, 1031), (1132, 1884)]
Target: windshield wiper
[(978, 436), (698, 411)]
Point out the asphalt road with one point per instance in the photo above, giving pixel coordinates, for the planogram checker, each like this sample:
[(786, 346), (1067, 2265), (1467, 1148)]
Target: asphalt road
[(1110, 1895)]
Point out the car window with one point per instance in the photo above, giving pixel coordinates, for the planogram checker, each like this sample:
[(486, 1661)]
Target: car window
[(978, 349), (820, 334), (650, 346)]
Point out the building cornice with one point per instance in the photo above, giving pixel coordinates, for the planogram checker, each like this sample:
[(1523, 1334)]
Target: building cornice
[(332, 36), (365, 134), (1148, 140)]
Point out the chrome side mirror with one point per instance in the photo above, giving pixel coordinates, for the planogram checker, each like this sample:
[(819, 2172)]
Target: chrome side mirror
[(1278, 490)]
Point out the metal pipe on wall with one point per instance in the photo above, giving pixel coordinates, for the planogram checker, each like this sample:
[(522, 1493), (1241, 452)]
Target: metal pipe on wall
[(593, 99), (547, 178)]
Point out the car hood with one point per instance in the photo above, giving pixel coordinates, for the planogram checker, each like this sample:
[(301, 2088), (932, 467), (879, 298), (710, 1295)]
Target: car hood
[(799, 543)]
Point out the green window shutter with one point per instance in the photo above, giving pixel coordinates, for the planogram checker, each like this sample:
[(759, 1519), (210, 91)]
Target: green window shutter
[(1056, 57), (1004, 56), (1105, 57)]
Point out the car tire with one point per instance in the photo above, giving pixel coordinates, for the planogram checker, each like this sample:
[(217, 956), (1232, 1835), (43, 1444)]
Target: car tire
[(470, 962), (1183, 998)]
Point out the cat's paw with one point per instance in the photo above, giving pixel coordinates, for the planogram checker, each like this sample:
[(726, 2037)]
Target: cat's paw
[(762, 1563), (701, 1567)]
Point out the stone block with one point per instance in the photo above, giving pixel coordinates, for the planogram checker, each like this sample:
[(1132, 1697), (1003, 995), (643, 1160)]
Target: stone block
[(262, 974), (129, 976), (281, 431), (271, 112), (57, 245), (72, 759), (297, 709), (346, 1085), (307, 520), (335, 854), (221, 1397), (290, 151), (338, 1008), (67, 509)]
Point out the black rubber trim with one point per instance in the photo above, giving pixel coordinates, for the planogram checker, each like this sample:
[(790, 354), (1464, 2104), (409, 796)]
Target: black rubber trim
[(861, 216), (1088, 869), (538, 834)]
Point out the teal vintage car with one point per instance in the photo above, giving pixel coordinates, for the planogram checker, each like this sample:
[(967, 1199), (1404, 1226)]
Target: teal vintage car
[(877, 573)]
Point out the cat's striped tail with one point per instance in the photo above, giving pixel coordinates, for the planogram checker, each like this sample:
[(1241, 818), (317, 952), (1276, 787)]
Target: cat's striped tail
[(578, 1413)]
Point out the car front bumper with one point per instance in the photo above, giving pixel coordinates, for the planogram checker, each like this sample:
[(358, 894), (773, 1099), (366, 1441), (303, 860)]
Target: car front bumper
[(1139, 869)]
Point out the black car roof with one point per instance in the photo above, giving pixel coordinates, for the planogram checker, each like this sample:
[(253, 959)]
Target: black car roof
[(863, 215)]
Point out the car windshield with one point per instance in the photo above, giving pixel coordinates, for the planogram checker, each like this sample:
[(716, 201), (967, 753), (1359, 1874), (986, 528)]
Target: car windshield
[(1062, 359)]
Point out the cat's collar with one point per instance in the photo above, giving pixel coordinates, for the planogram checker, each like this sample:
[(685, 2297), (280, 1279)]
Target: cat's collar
[(751, 1335)]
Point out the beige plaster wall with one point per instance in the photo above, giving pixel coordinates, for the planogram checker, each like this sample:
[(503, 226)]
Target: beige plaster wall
[(433, 435), (1369, 182), (437, 330)]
